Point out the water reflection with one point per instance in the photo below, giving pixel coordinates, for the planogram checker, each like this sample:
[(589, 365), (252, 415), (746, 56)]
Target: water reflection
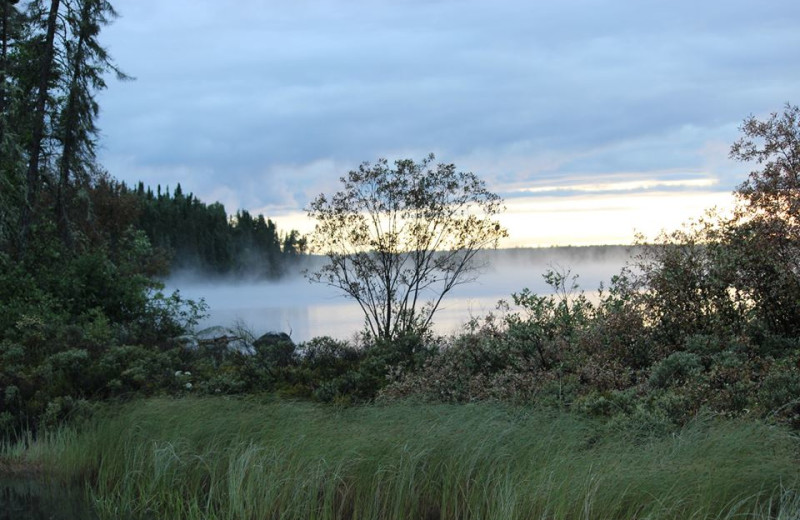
[(36, 499), (306, 310)]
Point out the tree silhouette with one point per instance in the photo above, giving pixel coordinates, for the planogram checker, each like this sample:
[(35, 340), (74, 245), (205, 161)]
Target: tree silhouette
[(398, 239)]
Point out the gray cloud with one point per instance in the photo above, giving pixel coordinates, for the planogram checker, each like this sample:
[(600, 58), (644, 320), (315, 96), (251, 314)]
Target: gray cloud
[(245, 95)]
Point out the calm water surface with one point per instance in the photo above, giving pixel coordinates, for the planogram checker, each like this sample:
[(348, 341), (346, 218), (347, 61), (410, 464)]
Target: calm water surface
[(305, 310), (27, 498)]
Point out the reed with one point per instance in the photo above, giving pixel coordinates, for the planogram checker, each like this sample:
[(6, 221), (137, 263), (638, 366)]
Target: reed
[(221, 458)]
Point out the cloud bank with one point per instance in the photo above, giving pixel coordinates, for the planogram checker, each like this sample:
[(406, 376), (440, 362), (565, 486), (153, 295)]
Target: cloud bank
[(264, 104)]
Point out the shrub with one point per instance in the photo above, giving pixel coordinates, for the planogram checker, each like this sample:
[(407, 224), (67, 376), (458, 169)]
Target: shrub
[(779, 393), (679, 368)]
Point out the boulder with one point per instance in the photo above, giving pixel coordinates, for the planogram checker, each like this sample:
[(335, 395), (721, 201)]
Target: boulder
[(275, 348), (273, 338)]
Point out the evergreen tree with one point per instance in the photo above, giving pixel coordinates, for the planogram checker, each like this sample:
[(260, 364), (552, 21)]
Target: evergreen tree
[(86, 62), (11, 27), (43, 79), (198, 236), (51, 67)]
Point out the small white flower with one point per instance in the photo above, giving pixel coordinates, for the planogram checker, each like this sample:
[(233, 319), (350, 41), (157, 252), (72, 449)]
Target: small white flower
[(178, 373), (188, 386), (187, 373)]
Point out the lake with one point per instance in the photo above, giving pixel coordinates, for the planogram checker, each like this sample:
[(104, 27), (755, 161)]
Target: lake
[(305, 310), (34, 498)]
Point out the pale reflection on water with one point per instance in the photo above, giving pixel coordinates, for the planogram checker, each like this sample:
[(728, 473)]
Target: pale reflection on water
[(339, 320), (305, 310)]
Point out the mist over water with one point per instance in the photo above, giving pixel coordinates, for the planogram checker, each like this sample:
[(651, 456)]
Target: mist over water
[(305, 310)]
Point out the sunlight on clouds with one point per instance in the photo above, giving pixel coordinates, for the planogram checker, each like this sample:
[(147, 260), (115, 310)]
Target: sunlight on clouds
[(642, 184), (602, 219), (292, 219), (580, 220)]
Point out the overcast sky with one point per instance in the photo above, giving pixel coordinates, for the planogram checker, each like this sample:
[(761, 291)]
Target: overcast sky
[(591, 118)]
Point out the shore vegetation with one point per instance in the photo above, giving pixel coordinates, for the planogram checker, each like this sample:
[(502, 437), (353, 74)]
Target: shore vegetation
[(222, 458)]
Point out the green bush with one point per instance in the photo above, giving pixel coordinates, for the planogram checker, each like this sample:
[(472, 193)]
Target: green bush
[(677, 369), (779, 393), (78, 324)]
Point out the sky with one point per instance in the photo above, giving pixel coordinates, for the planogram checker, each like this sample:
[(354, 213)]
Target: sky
[(592, 119)]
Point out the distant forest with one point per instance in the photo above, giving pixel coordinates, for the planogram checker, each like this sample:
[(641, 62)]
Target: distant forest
[(188, 234)]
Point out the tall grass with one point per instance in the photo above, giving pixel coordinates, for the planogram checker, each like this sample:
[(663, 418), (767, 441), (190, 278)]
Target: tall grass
[(219, 458)]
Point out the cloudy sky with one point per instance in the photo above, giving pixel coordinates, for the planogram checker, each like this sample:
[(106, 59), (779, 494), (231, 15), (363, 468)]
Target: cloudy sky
[(591, 118)]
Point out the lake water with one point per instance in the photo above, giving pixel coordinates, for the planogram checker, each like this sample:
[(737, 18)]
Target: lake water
[(28, 498), (305, 310)]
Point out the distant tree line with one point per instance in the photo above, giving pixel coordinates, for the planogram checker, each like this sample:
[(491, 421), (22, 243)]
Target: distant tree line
[(196, 235)]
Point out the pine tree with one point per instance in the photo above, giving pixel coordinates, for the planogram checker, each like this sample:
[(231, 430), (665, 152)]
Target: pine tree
[(52, 68), (87, 61), (38, 122), (11, 27)]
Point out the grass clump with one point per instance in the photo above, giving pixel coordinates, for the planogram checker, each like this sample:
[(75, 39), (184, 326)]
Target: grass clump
[(223, 458)]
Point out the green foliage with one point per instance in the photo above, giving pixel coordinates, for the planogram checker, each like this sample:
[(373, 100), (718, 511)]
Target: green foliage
[(323, 369), (634, 354), (779, 393), (549, 324), (274, 350), (76, 287), (765, 230), (679, 368), (84, 327), (685, 281), (477, 365), (545, 353), (327, 370)]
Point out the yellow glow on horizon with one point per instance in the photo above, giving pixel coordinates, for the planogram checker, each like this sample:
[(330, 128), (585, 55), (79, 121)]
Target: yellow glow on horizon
[(581, 219), (602, 219), (641, 184)]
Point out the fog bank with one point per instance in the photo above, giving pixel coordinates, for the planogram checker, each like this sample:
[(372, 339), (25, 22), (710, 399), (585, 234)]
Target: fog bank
[(305, 310)]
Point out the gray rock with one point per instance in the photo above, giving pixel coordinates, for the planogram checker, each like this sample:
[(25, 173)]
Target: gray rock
[(272, 338)]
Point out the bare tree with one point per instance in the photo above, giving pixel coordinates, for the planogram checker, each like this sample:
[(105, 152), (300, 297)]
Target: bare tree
[(398, 239)]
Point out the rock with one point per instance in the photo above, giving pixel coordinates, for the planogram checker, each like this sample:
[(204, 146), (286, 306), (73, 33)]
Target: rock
[(218, 340), (275, 348), (272, 338)]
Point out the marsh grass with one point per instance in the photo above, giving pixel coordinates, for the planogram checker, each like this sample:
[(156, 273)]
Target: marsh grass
[(220, 458)]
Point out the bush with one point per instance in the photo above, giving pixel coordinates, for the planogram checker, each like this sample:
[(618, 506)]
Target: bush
[(779, 393), (677, 369), (78, 324)]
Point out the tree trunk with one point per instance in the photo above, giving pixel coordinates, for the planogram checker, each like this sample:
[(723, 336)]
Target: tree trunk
[(70, 128), (6, 35), (3, 67), (32, 177)]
